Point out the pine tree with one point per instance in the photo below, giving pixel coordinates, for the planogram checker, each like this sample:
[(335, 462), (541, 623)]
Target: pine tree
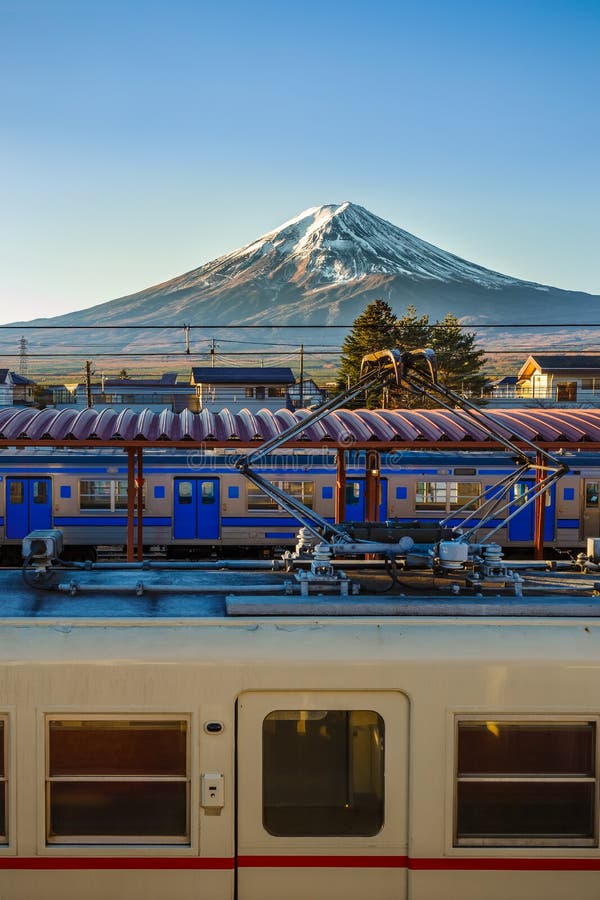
[(377, 328), (459, 361)]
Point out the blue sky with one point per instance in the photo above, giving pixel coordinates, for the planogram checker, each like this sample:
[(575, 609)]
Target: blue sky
[(141, 139)]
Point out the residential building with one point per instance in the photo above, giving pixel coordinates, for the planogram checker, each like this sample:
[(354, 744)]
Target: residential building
[(241, 387)]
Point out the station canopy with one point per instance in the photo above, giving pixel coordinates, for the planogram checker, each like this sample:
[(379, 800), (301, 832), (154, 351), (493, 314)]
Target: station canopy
[(352, 429)]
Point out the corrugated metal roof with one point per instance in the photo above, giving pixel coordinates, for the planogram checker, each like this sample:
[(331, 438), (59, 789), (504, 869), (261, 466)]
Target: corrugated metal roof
[(349, 428)]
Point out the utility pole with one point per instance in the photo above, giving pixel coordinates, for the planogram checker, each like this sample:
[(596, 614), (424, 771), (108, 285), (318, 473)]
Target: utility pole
[(88, 383), (186, 330), (212, 354), (301, 398), (23, 356)]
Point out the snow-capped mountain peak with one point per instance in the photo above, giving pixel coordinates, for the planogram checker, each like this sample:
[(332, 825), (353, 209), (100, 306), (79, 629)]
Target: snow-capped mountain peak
[(344, 242)]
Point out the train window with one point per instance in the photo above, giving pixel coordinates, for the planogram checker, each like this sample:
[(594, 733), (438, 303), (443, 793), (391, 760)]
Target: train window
[(16, 493), (463, 492), (323, 772), (520, 494), (466, 470), (185, 492), (353, 493), (249, 392), (259, 392), (591, 494), (104, 494), (208, 492), (302, 490), (40, 492), (3, 784), (528, 782), (431, 495), (117, 780)]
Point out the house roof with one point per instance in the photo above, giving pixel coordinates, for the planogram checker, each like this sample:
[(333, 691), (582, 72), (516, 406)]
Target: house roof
[(561, 362), (4, 376), (20, 379), (420, 428), (242, 375)]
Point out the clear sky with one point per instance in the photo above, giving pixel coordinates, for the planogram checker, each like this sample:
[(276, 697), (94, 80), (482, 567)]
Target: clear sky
[(141, 138)]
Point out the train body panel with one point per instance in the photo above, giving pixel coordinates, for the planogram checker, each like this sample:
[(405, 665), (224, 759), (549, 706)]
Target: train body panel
[(203, 502), (394, 692)]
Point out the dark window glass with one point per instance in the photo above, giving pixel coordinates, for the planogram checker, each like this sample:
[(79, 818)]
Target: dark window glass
[(118, 809), (591, 494), (525, 781), (16, 492), (525, 809), (40, 492), (353, 493), (117, 748), (323, 772), (2, 739), (260, 393), (499, 748)]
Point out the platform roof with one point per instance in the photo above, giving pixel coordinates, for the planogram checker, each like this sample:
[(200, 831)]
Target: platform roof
[(345, 428)]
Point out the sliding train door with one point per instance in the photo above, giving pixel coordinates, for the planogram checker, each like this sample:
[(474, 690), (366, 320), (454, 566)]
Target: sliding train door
[(322, 795), (28, 506), (196, 509), (521, 528)]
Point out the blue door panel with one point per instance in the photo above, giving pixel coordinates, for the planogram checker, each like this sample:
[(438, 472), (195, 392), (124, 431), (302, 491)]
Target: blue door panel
[(28, 506), (196, 509), (356, 510), (208, 508), (184, 511), (522, 527)]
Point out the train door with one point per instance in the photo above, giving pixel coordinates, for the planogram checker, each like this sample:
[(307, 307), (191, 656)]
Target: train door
[(319, 773), (521, 528), (28, 506), (196, 509), (355, 500)]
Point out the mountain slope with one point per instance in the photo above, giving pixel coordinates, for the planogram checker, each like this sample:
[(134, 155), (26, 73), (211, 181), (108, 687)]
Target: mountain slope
[(323, 267)]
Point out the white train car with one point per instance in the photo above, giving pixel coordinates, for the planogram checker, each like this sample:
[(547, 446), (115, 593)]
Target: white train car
[(160, 747)]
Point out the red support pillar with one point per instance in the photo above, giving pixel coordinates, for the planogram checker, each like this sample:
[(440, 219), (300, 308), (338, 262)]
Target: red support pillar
[(540, 509), (340, 486), (372, 475), (140, 504), (130, 503)]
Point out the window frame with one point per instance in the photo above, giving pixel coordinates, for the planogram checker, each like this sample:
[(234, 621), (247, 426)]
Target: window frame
[(450, 486), (524, 843), (169, 843), (8, 783), (273, 508), (112, 509)]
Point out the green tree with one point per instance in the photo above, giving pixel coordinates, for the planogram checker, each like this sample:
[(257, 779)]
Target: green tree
[(377, 328), (459, 361)]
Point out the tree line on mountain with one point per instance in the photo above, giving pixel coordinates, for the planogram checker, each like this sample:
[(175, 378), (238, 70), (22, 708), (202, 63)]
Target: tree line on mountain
[(378, 328)]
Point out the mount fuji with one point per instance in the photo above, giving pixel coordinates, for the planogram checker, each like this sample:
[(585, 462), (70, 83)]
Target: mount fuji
[(323, 267)]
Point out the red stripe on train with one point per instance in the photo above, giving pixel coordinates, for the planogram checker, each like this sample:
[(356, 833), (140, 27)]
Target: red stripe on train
[(415, 864), (114, 862), (514, 864)]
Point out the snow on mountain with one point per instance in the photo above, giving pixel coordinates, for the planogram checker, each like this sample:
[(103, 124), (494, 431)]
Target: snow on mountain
[(346, 242)]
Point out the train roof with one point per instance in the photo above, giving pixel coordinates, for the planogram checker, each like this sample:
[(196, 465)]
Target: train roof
[(171, 596)]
